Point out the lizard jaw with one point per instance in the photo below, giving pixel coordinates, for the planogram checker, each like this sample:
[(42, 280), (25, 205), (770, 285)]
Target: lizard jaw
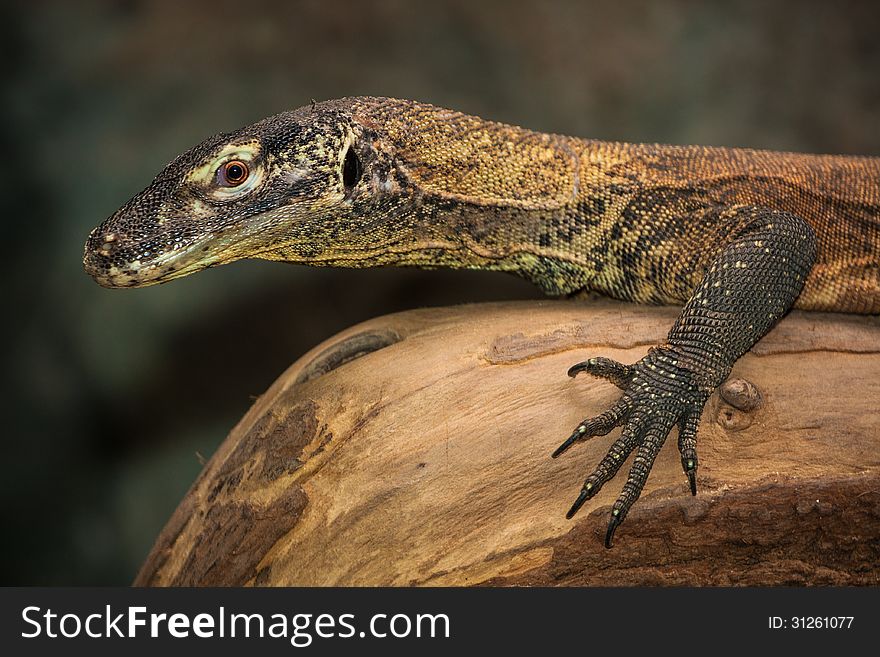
[(160, 269)]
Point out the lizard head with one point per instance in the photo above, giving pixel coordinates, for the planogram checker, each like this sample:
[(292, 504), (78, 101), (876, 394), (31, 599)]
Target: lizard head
[(354, 182), (281, 189)]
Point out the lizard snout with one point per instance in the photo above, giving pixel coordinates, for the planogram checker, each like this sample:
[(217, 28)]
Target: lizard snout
[(98, 259), (108, 260)]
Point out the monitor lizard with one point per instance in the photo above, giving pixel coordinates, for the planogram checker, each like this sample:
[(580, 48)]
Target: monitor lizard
[(737, 236)]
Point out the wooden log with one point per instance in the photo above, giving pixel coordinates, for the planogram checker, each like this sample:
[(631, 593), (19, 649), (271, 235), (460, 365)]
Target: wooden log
[(414, 449)]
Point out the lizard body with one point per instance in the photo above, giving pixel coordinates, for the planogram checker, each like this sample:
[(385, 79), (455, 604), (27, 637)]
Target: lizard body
[(737, 236)]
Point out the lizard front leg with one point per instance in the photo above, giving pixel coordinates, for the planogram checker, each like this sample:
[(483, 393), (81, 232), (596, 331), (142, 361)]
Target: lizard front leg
[(753, 281)]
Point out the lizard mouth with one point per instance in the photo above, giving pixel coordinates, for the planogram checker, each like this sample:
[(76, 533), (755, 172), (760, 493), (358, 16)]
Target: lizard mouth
[(109, 268)]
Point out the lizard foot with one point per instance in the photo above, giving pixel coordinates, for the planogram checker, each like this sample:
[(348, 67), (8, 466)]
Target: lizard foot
[(657, 394)]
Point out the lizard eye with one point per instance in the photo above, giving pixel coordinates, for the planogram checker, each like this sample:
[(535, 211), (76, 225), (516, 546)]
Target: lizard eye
[(233, 173)]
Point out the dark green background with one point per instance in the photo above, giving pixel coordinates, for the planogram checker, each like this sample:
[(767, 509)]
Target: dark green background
[(110, 397)]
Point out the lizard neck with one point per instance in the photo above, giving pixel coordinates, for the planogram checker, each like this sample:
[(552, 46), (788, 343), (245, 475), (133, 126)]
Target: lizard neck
[(545, 245)]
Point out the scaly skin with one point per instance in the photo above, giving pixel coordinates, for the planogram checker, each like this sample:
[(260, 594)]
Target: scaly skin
[(737, 236)]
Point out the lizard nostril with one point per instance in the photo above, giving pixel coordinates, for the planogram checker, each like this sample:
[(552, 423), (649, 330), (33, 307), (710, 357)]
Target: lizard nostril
[(108, 244)]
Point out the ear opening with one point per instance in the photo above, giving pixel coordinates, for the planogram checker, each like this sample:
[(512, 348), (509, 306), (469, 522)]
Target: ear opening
[(352, 170)]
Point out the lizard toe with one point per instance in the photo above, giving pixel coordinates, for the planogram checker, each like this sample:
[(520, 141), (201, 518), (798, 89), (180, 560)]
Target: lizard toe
[(596, 426), (605, 368)]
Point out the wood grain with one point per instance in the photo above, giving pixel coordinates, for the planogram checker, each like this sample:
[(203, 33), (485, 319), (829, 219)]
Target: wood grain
[(414, 449)]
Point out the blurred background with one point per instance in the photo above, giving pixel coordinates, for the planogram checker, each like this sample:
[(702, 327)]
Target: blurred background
[(112, 399)]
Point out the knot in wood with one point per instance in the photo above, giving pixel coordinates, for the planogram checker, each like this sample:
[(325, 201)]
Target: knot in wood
[(742, 395)]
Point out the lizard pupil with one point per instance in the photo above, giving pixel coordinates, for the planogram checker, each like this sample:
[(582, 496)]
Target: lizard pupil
[(234, 173), (351, 169)]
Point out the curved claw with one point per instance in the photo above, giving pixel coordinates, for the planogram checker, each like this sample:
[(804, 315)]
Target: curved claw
[(578, 503), (613, 524), (568, 443)]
